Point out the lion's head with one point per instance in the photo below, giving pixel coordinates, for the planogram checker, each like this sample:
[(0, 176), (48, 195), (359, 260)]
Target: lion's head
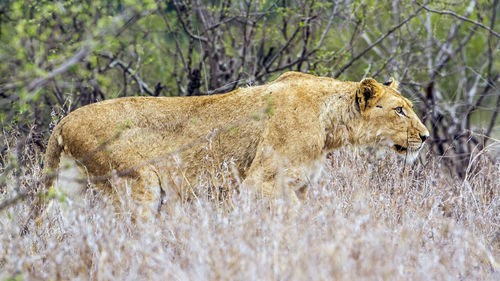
[(389, 118)]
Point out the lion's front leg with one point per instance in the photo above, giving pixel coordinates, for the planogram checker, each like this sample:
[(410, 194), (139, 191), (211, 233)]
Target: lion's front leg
[(275, 175), (271, 188), (288, 154)]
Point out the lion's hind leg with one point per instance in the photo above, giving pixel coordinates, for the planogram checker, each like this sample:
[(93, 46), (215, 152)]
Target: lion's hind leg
[(146, 193)]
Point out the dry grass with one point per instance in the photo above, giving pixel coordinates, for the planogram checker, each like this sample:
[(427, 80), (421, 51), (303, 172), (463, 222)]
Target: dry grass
[(365, 219)]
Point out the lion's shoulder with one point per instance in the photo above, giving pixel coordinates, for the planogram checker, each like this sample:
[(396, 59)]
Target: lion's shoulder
[(294, 76)]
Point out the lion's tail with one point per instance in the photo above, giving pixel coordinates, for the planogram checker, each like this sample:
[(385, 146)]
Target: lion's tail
[(51, 164), (52, 155)]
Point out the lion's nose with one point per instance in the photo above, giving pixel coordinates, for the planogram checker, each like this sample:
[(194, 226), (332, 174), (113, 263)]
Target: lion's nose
[(423, 137)]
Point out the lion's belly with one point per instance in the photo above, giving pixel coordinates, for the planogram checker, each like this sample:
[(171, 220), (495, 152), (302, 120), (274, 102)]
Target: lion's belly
[(231, 150), (189, 153)]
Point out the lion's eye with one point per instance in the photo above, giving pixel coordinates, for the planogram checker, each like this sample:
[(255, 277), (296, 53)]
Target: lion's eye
[(399, 110)]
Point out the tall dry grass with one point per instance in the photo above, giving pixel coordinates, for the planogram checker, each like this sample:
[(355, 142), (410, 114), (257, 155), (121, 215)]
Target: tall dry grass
[(368, 218)]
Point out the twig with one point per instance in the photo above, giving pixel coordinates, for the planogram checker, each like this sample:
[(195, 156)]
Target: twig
[(143, 87), (184, 27), (449, 55), (40, 82), (174, 35), (327, 28), (379, 40), (282, 49), (459, 17), (223, 88)]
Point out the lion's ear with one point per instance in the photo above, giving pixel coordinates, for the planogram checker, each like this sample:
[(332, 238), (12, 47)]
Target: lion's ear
[(393, 83), (367, 93)]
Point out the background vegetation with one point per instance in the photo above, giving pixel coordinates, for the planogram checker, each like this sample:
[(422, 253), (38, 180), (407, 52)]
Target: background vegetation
[(57, 56)]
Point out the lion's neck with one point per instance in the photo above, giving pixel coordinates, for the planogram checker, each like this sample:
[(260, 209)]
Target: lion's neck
[(342, 121)]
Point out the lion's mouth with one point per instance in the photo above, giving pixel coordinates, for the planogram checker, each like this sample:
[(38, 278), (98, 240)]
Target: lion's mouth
[(410, 153), (400, 148)]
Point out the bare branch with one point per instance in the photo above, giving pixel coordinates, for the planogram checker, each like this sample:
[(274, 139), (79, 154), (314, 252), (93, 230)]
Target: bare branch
[(449, 55), (40, 82), (459, 17), (493, 117), (176, 39), (378, 41), (327, 28), (143, 87), (180, 17)]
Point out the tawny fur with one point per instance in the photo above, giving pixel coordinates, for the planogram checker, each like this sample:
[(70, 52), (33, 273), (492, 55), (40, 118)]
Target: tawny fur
[(298, 119)]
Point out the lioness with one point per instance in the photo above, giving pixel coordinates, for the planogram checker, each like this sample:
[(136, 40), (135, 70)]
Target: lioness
[(277, 134)]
